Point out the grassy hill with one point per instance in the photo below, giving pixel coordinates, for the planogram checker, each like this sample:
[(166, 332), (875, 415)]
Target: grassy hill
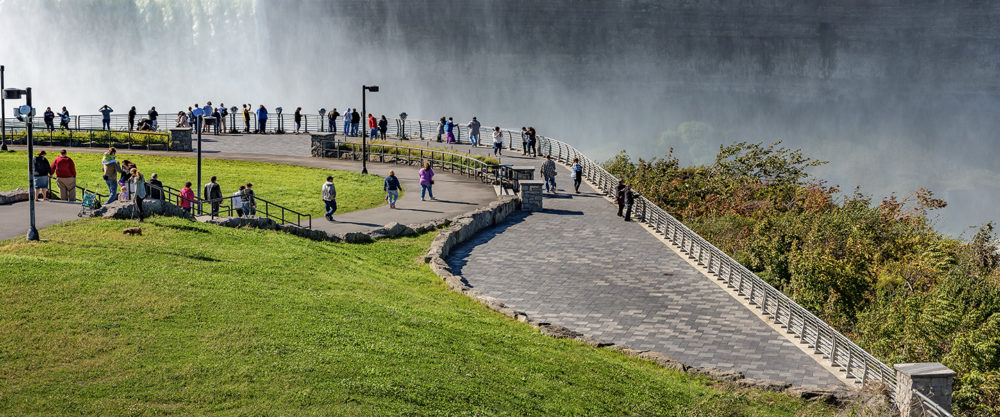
[(197, 319)]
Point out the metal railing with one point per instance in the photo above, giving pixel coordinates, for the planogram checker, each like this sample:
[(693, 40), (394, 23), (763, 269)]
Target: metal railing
[(463, 164), (16, 132), (265, 208), (54, 190)]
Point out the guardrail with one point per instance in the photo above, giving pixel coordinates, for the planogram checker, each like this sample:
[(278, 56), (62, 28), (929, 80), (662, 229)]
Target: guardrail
[(265, 208), (87, 137), (451, 161)]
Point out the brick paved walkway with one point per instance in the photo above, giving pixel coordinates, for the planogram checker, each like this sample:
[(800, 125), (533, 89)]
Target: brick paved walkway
[(578, 265)]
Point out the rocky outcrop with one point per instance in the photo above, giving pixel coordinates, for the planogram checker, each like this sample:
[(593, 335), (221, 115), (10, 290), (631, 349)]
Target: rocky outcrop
[(14, 196), (126, 210)]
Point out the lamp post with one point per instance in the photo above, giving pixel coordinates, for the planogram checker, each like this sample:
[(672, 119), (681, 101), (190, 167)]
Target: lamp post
[(364, 125), (197, 126), (29, 113), (3, 115)]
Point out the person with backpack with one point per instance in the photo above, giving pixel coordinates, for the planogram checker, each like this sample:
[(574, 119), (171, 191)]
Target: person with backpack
[(64, 119), (549, 174), (131, 118), (577, 174), (43, 172), (474, 126), (329, 194), (392, 188), (213, 193), (50, 117), (105, 117), (383, 127), (65, 171), (223, 112)]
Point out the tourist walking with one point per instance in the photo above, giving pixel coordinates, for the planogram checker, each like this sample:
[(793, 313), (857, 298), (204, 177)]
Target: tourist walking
[(111, 169), (186, 197), (392, 188), (298, 119), (355, 122), (532, 142), (441, 125), (64, 119), (329, 198), (474, 126), (182, 120), (213, 193), (105, 117), (251, 208), (347, 122), (131, 118), (137, 189), (450, 130), (383, 127), (549, 174), (497, 141), (620, 197), (246, 118), (261, 119), (155, 188), (43, 173), (577, 174), (65, 171), (524, 140), (629, 202), (153, 114), (332, 119), (426, 181), (50, 117)]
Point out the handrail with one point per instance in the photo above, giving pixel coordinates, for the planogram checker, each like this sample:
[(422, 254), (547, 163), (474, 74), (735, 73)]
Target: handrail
[(229, 209), (462, 163), (88, 136)]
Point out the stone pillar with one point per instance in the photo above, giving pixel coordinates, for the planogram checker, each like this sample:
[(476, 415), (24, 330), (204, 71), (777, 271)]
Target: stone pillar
[(931, 379), (531, 195), (317, 143), (180, 140)]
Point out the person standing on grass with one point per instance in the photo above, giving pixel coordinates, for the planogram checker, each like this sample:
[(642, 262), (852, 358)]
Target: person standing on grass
[(383, 127), (261, 119), (131, 118), (474, 126), (426, 181), (43, 173), (298, 119), (251, 208), (392, 188), (213, 193), (64, 120), (524, 140), (347, 122), (105, 117), (620, 197), (532, 142), (332, 119), (186, 197), (629, 202), (355, 122), (246, 119), (137, 188), (50, 117), (153, 114), (497, 141), (450, 129), (549, 174), (155, 188), (577, 174), (329, 198), (111, 169), (65, 171)]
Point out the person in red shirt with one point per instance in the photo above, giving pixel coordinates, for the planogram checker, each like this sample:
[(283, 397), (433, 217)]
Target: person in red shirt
[(372, 127), (65, 170), (186, 197)]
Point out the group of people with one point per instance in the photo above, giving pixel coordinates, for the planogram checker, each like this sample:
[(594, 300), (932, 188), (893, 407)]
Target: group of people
[(148, 123), (49, 117), (62, 168), (197, 117), (390, 185), (243, 201), (127, 183)]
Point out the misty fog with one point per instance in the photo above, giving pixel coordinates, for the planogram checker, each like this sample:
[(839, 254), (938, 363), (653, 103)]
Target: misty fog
[(895, 94)]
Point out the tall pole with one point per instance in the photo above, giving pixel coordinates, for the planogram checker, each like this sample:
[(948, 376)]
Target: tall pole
[(32, 231), (364, 135), (198, 126), (3, 115)]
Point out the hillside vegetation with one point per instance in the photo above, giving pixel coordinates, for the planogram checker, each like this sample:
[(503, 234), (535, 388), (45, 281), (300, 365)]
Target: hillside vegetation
[(195, 319), (875, 269)]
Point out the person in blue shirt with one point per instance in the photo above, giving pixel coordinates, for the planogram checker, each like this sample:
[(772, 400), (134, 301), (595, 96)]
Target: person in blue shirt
[(450, 128), (261, 119), (198, 116), (347, 121), (392, 188), (106, 117)]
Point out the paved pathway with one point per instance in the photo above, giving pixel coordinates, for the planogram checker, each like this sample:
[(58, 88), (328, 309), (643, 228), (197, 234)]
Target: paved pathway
[(14, 217)]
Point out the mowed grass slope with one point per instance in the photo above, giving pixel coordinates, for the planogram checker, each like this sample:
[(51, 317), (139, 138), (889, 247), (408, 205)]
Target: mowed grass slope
[(198, 319), (295, 187)]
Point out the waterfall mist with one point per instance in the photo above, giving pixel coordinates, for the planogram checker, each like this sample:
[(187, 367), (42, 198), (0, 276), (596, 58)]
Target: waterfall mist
[(895, 94)]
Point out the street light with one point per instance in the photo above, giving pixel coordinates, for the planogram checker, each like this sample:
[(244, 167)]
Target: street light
[(29, 113), (364, 125), (3, 115), (322, 112)]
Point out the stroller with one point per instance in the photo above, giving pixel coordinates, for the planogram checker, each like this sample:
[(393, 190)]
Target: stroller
[(89, 204)]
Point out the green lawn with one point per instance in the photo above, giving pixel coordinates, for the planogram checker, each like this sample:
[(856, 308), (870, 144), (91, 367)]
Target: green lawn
[(295, 187), (198, 319)]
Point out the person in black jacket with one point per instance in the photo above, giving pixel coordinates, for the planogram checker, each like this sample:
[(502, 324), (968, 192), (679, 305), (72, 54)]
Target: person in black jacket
[(214, 193), (43, 172), (298, 119), (155, 191), (355, 122), (629, 202), (620, 197), (131, 118), (50, 118), (383, 127)]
